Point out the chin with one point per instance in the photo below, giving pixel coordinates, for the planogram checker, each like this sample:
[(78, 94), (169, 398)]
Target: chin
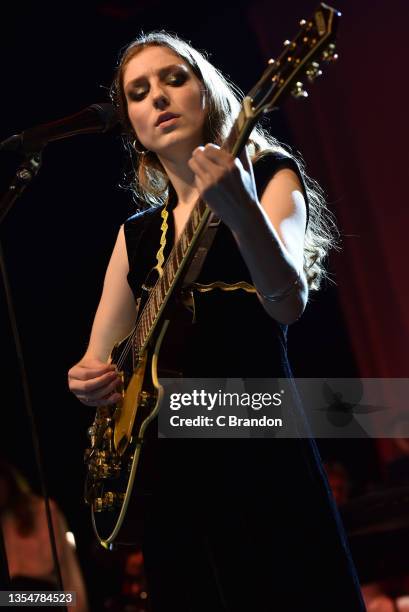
[(178, 144)]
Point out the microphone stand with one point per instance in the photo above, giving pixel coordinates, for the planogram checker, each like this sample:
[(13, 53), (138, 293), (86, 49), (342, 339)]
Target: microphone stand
[(25, 173)]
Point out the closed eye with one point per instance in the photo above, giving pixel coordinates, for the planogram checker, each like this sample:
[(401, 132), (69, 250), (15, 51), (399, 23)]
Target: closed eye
[(140, 87), (178, 78), (135, 95)]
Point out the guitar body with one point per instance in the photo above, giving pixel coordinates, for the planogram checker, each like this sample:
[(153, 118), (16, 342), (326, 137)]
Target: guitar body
[(121, 458)]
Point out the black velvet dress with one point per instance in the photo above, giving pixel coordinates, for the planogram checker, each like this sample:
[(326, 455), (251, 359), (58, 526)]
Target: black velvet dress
[(238, 524)]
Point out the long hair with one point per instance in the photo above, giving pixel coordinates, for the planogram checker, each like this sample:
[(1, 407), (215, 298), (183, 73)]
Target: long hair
[(148, 179)]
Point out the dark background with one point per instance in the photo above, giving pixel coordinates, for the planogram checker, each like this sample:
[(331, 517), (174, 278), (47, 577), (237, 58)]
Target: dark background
[(352, 132)]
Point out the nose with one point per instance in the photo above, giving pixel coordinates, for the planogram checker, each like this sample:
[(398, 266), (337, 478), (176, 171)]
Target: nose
[(160, 99)]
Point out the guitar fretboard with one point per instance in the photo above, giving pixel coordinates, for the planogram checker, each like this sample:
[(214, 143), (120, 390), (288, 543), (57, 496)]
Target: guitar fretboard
[(172, 269)]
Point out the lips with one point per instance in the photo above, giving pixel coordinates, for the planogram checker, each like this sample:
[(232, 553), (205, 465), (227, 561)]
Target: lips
[(165, 117)]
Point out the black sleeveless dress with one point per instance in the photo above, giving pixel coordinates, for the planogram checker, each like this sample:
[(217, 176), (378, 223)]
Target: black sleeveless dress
[(238, 525)]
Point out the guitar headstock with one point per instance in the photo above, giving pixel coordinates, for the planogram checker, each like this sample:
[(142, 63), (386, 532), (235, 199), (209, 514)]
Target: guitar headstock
[(301, 59)]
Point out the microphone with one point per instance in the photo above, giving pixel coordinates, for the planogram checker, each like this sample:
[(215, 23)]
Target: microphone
[(95, 118)]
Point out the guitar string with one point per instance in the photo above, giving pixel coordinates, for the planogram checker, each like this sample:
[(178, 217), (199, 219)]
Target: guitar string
[(131, 338)]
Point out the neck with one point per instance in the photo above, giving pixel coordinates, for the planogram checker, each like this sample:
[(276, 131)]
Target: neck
[(182, 179)]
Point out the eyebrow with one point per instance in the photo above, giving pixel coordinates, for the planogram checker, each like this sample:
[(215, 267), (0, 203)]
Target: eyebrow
[(162, 72)]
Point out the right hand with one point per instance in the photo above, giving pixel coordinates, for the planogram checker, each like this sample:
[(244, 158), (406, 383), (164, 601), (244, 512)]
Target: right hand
[(94, 382)]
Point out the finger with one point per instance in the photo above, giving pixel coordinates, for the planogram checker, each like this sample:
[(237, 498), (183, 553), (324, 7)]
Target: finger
[(218, 156), (105, 391), (112, 399), (203, 163), (200, 179), (222, 157), (80, 372), (198, 167), (92, 385)]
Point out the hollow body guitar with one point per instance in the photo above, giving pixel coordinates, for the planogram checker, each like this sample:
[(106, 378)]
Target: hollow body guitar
[(120, 460)]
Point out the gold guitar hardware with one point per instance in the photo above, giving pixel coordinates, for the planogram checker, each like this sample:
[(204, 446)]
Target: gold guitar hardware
[(144, 398), (313, 71), (109, 501), (104, 465), (298, 90)]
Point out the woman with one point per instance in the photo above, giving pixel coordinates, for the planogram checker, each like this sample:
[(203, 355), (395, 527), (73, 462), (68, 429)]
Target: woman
[(27, 541), (232, 536)]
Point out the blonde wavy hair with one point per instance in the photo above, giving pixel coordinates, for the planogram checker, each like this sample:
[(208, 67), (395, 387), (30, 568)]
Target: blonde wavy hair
[(148, 180)]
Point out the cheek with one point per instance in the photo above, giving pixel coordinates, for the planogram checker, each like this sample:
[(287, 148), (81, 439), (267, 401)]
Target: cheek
[(196, 103), (192, 97), (136, 120)]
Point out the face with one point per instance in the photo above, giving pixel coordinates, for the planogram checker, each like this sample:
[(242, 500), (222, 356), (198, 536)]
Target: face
[(166, 103)]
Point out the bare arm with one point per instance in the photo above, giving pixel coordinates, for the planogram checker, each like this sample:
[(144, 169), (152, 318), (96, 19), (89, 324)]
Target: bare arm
[(270, 233), (116, 312), (92, 379), (270, 236)]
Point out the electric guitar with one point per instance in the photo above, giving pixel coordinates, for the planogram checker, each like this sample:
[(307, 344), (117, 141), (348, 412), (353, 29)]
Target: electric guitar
[(118, 434)]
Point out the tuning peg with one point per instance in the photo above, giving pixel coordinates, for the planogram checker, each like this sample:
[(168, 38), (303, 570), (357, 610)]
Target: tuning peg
[(299, 91), (313, 71), (306, 24), (329, 54)]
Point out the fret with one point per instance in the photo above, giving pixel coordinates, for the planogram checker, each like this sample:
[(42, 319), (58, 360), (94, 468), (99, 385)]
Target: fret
[(152, 312), (144, 324), (195, 216), (162, 291), (139, 335), (163, 284), (173, 265), (202, 209), (155, 298), (143, 338), (169, 271), (135, 348), (167, 278), (138, 343), (184, 242), (148, 317), (189, 231), (195, 221), (179, 253)]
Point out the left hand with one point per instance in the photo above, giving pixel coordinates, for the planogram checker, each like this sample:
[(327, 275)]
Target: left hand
[(224, 182)]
